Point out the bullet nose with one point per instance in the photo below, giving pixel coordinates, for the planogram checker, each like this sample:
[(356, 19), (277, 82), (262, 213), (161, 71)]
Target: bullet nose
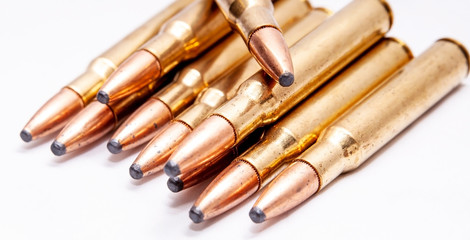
[(175, 184), (102, 97), (58, 148), (286, 79), (257, 215), (114, 146), (172, 169), (135, 171), (26, 136), (196, 214)]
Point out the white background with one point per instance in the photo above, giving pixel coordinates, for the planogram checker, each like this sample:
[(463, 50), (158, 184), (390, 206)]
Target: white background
[(417, 187)]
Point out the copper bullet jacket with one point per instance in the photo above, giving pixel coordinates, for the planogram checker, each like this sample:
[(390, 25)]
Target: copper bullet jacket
[(192, 79), (55, 113), (299, 129), (369, 125), (225, 89), (334, 44), (95, 120)]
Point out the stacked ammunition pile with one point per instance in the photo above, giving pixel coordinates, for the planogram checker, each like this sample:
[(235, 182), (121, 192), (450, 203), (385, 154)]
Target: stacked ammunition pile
[(277, 97)]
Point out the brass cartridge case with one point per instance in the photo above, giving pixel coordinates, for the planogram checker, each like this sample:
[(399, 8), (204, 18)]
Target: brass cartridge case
[(222, 59), (88, 84), (225, 88), (367, 127), (300, 129), (248, 16), (333, 44)]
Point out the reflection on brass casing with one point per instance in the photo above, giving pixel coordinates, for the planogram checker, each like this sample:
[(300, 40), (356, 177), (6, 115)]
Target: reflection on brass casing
[(300, 129), (225, 88), (369, 125), (187, 34), (317, 57), (88, 84), (247, 16), (220, 59)]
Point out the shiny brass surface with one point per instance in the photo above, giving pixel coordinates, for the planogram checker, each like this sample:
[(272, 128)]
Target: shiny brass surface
[(247, 16), (370, 124), (55, 113), (226, 87), (88, 84), (221, 59), (300, 129), (334, 44), (52, 116)]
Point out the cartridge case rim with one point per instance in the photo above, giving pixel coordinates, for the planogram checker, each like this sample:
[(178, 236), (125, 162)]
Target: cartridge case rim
[(403, 44), (388, 8), (462, 48)]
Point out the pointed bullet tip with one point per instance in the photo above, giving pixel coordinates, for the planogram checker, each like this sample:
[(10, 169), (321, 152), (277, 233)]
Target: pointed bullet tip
[(286, 79), (26, 135), (257, 215), (58, 148), (135, 171), (172, 169), (175, 184), (114, 146), (102, 97), (196, 214)]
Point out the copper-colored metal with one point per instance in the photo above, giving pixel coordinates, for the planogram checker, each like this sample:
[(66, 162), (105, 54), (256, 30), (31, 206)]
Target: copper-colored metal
[(270, 50), (183, 37), (139, 70), (97, 119), (192, 153), (142, 125), (214, 200), (299, 129), (281, 195), (153, 157), (198, 75), (335, 43), (89, 125), (369, 125), (51, 116), (254, 21)]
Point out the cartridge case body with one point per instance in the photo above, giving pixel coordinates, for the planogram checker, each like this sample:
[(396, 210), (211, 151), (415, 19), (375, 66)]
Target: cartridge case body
[(317, 57), (364, 129), (300, 129)]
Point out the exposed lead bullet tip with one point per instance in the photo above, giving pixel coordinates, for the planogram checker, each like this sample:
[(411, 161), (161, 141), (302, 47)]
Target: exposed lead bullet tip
[(196, 214), (58, 148), (286, 79), (102, 97), (172, 169), (135, 171), (26, 135), (175, 184), (114, 146), (257, 215)]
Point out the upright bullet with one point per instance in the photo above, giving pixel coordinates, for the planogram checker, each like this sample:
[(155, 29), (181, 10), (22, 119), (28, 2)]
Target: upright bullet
[(56, 112), (183, 37), (96, 120), (156, 153), (259, 101), (254, 21), (144, 124), (365, 128), (300, 129)]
